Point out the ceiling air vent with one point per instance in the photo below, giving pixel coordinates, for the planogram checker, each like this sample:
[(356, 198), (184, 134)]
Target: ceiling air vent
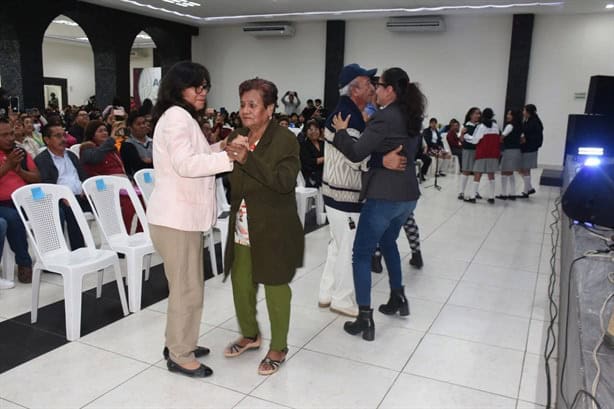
[(269, 29), (416, 24)]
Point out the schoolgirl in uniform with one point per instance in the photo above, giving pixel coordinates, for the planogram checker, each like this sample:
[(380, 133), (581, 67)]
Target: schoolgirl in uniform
[(511, 160), (472, 119), (487, 140)]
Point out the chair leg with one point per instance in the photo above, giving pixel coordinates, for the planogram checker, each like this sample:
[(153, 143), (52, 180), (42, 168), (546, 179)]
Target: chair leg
[(99, 282), (120, 286), (72, 306), (301, 204), (147, 265), (36, 286), (223, 238), (211, 247), (134, 275)]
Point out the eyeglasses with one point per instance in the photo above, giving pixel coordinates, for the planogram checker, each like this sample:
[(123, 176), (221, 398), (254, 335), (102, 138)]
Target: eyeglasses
[(205, 87)]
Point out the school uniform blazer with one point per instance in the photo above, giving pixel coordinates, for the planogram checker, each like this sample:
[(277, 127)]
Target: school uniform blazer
[(267, 181), (185, 166)]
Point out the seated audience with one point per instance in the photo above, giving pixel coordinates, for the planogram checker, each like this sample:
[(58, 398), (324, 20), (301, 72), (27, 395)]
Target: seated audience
[(312, 155), (4, 283), (434, 143), (79, 124), (17, 169), (29, 130), (58, 165), (426, 160), (136, 150), (454, 141), (100, 157), (27, 143)]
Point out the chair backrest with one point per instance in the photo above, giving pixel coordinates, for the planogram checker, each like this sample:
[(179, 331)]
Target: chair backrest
[(76, 149), (300, 180), (220, 193), (145, 179), (103, 193), (38, 206)]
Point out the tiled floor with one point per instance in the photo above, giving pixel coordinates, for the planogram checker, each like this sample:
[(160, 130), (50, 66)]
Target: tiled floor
[(474, 338)]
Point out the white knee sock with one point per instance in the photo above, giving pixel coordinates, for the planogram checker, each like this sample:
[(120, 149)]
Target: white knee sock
[(527, 183), (463, 183), (491, 189), (511, 189), (474, 189), (504, 185)]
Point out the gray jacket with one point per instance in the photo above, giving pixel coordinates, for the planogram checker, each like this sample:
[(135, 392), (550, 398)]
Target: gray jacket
[(385, 131)]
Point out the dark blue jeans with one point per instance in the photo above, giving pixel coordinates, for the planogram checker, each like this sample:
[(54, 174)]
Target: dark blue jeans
[(16, 235), (3, 227), (380, 222)]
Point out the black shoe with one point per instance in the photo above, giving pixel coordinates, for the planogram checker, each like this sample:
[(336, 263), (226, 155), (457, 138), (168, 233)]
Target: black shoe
[(523, 195), (511, 197), (416, 260), (441, 174), (364, 323), (531, 192), (477, 196), (491, 201), (461, 196), (422, 178), (470, 200), (201, 372), (396, 302), (376, 263), (502, 197), (198, 352)]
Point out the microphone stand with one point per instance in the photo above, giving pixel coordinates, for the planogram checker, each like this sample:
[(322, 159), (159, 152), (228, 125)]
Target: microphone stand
[(435, 184)]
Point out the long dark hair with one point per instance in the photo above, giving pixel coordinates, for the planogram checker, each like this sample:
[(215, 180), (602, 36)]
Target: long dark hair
[(487, 117), (409, 96), (516, 117), (469, 113), (182, 75)]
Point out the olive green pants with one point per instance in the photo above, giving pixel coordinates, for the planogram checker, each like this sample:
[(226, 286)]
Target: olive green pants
[(244, 291)]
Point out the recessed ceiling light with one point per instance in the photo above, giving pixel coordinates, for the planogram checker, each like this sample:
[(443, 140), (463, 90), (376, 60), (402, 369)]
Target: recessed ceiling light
[(182, 3), (66, 22), (609, 6), (161, 9), (143, 37)]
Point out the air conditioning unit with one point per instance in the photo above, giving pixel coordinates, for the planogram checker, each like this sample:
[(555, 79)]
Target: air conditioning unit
[(416, 24), (278, 29)]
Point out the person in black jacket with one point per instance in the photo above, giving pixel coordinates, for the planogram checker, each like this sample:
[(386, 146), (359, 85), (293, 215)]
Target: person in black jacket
[(57, 165), (434, 144), (530, 141), (390, 195), (136, 150), (312, 155), (511, 157)]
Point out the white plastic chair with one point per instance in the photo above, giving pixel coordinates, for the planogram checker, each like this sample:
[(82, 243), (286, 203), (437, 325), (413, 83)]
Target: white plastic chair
[(303, 194), (145, 179), (8, 262), (76, 149), (221, 224), (38, 207), (103, 193)]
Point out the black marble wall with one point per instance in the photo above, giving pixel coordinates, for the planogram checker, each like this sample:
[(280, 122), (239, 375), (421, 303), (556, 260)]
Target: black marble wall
[(520, 56), (110, 32), (335, 54)]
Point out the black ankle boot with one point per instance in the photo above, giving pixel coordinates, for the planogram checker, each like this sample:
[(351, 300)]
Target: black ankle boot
[(396, 302), (416, 259), (376, 263), (364, 323)]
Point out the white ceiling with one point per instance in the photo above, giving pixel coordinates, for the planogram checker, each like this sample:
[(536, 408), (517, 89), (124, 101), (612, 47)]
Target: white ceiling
[(205, 12)]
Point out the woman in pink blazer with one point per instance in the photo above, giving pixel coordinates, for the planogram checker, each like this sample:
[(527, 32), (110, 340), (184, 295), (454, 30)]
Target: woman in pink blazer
[(183, 206)]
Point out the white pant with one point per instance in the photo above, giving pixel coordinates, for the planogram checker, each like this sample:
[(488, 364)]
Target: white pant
[(337, 283)]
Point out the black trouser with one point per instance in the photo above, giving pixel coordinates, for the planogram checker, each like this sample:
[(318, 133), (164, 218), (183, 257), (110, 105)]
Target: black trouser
[(74, 232), (426, 162)]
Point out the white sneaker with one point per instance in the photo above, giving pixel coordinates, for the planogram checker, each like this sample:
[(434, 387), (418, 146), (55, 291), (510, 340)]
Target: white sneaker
[(6, 284), (347, 311)]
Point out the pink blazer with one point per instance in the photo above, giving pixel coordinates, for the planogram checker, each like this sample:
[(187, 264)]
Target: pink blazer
[(185, 166)]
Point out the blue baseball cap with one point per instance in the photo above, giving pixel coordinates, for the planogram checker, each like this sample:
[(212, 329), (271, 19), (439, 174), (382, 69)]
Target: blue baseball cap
[(351, 71)]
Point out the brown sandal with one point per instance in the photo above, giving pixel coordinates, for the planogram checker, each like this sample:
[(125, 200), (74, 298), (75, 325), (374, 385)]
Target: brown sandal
[(235, 349), (274, 364)]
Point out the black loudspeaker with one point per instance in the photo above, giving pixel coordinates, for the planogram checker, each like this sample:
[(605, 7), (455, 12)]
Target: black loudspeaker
[(589, 198), (594, 131), (600, 98)]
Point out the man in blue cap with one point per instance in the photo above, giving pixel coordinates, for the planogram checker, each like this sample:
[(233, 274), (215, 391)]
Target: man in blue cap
[(341, 185)]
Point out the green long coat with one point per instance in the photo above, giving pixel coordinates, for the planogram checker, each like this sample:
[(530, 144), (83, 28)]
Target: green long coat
[(266, 181)]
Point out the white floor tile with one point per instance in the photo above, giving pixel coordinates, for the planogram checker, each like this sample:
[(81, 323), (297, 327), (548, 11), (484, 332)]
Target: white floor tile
[(487, 298), (440, 267), (5, 404), (500, 277), (463, 250), (422, 286), (254, 403), (479, 366), (533, 387), (159, 388), (414, 392), (313, 380), (391, 348), (538, 332), (520, 256), (69, 377), (528, 405), (490, 328), (18, 300), (422, 313)]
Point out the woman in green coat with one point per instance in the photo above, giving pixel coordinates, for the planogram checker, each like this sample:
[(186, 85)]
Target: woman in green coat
[(266, 240)]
